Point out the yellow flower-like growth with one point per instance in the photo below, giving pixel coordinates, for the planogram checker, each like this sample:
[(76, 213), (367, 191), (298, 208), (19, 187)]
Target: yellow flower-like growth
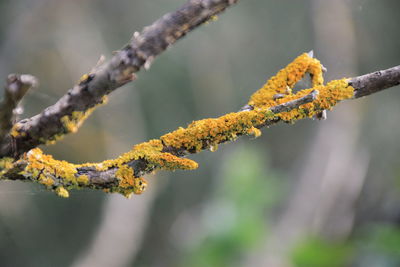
[(199, 135)]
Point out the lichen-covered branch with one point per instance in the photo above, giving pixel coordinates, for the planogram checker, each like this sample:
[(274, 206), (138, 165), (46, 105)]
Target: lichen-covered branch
[(70, 111), (274, 102), (15, 89)]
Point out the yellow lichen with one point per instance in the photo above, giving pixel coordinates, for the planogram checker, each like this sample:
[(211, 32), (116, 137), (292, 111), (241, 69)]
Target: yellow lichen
[(128, 183), (48, 165), (16, 131), (83, 179), (126, 176), (45, 180), (329, 95), (214, 18), (255, 131), (285, 80), (199, 135), (6, 163), (140, 185), (151, 151), (83, 78), (72, 122), (210, 132), (62, 192)]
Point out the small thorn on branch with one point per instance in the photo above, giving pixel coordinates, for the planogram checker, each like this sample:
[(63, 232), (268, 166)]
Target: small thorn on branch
[(321, 115), (16, 87)]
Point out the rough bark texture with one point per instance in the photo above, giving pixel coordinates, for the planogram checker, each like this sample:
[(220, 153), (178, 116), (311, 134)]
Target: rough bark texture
[(377, 81)]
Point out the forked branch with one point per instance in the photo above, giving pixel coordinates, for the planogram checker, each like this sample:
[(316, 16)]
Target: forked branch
[(273, 103)]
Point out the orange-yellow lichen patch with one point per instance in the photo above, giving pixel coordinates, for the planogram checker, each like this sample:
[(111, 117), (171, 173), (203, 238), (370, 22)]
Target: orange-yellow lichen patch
[(286, 78), (199, 135), (6, 164), (329, 95), (72, 122), (150, 151), (83, 78), (254, 131), (140, 185), (39, 163), (210, 132), (45, 180), (126, 176), (62, 192), (83, 179), (16, 131), (128, 183)]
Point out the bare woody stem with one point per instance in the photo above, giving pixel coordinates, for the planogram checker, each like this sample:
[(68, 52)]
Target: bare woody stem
[(49, 125), (374, 82)]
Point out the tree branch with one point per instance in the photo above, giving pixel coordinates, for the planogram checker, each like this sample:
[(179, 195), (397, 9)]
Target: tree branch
[(15, 89), (68, 113), (273, 103), (374, 82), (165, 154)]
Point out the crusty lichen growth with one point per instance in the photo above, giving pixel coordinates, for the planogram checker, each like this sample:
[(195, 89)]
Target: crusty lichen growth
[(208, 133), (199, 135), (60, 191), (283, 82), (50, 172), (70, 124), (150, 151), (129, 184)]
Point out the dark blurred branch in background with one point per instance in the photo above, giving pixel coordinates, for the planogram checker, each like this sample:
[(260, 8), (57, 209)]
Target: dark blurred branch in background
[(48, 126)]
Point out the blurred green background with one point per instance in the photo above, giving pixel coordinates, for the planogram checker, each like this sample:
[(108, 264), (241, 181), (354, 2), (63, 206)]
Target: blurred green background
[(316, 193)]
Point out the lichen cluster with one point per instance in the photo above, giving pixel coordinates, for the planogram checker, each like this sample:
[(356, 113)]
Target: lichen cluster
[(70, 124), (199, 135), (283, 82)]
